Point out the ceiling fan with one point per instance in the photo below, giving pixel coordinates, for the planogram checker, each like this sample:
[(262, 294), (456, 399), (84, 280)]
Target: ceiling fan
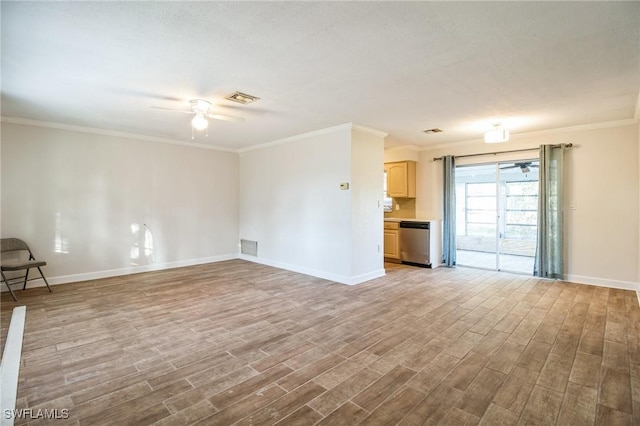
[(201, 111), (524, 166)]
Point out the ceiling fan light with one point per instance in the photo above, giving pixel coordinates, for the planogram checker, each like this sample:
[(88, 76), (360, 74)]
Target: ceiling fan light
[(199, 122), (200, 105), (497, 135)]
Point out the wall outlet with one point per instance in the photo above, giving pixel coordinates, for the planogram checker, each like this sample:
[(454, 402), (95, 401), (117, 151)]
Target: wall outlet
[(397, 206), (572, 206)]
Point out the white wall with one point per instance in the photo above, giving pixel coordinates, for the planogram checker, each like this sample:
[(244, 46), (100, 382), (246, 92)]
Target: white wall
[(292, 205), (602, 180), (74, 197), (367, 216), (82, 201), (602, 233)]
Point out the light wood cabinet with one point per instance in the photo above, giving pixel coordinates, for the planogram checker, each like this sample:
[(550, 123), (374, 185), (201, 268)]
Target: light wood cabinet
[(392, 240), (401, 179)]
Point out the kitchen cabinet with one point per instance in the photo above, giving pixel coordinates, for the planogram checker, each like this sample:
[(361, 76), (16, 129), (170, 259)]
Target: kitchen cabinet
[(401, 179), (392, 240)]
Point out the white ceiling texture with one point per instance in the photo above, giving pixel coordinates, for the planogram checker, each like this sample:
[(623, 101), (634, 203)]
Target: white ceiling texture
[(400, 67)]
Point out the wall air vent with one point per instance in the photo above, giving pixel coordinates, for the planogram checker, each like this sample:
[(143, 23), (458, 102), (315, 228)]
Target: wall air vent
[(249, 247), (434, 130), (242, 98)]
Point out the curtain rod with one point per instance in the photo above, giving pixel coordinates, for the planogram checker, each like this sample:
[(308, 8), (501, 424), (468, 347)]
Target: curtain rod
[(569, 145)]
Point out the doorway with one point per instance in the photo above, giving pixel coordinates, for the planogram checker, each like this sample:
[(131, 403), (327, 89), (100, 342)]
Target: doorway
[(496, 215)]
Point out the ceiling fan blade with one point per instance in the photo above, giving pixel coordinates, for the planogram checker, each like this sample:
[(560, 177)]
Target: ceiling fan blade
[(144, 94), (508, 167), (224, 117), (173, 109)]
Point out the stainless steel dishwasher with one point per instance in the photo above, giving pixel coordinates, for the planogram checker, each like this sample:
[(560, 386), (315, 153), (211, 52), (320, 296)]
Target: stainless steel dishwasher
[(414, 243)]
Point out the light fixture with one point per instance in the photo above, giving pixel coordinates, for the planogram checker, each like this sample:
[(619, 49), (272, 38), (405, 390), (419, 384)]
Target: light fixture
[(199, 122), (200, 105), (496, 135)]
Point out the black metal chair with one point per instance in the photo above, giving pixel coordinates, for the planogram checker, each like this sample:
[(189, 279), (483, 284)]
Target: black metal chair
[(18, 264)]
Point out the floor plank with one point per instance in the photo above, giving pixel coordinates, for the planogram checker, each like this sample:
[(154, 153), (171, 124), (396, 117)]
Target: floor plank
[(239, 342)]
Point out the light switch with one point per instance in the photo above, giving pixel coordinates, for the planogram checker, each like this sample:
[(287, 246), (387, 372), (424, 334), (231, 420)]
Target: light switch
[(344, 186)]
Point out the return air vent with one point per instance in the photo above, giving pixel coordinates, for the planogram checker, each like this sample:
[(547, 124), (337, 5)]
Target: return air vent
[(248, 247)]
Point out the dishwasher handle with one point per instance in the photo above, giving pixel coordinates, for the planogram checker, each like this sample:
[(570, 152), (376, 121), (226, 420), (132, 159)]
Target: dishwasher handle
[(414, 225)]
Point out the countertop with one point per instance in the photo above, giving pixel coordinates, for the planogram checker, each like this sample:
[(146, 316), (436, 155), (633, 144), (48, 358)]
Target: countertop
[(400, 219)]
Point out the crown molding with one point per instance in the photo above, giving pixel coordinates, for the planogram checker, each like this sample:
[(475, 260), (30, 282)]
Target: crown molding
[(105, 132), (581, 127), (415, 148), (354, 126), (370, 130), (116, 133), (297, 138), (592, 126)]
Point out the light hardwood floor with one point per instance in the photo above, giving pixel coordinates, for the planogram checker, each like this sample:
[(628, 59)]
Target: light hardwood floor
[(237, 342)]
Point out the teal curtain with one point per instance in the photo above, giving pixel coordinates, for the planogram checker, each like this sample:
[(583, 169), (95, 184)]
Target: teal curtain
[(549, 261), (449, 219)]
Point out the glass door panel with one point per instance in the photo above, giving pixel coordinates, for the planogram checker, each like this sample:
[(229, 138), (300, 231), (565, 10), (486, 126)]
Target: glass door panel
[(476, 212), (496, 215), (518, 216)]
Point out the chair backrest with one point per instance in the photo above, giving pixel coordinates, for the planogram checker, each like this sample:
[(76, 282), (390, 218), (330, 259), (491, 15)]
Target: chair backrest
[(12, 244)]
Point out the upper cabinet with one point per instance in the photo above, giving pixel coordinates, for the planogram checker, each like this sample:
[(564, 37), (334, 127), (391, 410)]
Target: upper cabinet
[(401, 179)]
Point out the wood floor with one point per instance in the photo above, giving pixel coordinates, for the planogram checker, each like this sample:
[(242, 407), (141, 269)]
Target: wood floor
[(237, 342)]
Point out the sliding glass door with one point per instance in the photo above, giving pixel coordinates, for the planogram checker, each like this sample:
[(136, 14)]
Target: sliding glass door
[(496, 215)]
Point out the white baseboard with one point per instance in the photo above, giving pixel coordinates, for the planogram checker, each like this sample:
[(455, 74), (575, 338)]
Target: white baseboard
[(367, 277), (65, 279), (603, 282), (342, 279)]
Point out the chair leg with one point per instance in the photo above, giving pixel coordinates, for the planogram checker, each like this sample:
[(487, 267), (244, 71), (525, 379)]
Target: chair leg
[(45, 280), (4, 279), (26, 274)]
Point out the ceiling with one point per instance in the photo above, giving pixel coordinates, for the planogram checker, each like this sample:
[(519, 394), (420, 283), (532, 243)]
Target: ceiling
[(400, 67)]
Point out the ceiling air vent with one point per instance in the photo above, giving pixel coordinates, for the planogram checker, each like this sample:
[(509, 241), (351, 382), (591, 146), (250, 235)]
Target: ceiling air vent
[(242, 98), (434, 130)]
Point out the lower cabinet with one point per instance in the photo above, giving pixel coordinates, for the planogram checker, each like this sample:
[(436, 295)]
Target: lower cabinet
[(392, 240)]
